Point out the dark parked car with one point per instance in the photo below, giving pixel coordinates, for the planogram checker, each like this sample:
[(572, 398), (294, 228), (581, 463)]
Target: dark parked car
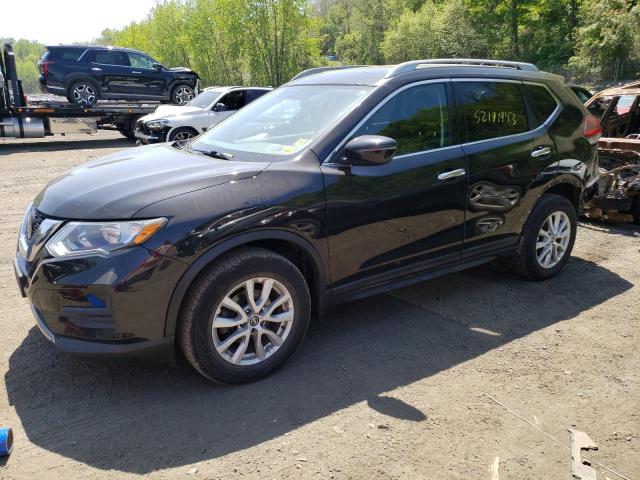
[(582, 93), (86, 74), (332, 187)]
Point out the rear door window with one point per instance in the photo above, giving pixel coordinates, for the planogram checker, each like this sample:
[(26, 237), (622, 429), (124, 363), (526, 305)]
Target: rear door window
[(110, 57), (416, 118), (254, 94), (490, 109), (541, 102)]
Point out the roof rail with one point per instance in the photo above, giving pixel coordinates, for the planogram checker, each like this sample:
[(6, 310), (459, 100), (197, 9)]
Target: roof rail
[(314, 71), (407, 67)]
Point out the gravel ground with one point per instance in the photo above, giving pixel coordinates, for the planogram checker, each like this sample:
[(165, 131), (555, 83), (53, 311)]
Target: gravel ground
[(394, 386)]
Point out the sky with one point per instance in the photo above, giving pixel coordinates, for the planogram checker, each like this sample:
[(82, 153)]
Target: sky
[(65, 21)]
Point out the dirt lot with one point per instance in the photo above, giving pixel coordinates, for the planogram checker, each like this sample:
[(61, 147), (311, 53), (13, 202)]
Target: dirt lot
[(389, 387)]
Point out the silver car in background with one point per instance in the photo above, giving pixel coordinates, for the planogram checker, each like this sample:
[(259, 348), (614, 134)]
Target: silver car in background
[(181, 122)]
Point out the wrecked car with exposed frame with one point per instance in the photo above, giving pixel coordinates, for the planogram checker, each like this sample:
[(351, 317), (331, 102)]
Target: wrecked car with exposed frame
[(617, 193)]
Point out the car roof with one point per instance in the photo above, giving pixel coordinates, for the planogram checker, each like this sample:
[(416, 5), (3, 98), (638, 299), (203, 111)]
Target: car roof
[(92, 47), (632, 88), (224, 88), (421, 69)]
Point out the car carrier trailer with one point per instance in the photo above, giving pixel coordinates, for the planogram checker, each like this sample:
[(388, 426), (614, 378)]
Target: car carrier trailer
[(20, 119)]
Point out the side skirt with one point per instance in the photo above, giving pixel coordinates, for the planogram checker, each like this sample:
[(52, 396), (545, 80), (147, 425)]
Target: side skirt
[(345, 293)]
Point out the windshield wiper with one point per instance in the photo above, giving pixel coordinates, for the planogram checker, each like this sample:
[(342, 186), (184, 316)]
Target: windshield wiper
[(214, 154)]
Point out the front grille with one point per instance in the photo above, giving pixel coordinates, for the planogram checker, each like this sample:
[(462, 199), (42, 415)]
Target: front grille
[(36, 219)]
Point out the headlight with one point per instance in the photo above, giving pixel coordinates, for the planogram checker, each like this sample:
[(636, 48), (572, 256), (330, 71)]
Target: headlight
[(157, 124), (101, 238)]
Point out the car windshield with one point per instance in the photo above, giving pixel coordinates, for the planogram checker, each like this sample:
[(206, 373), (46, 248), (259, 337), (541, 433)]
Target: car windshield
[(204, 99), (282, 122)]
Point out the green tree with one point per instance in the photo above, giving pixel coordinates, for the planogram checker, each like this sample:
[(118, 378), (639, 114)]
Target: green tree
[(606, 46), (436, 30)]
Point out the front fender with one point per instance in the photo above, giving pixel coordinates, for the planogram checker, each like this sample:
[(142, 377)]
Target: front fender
[(173, 312)]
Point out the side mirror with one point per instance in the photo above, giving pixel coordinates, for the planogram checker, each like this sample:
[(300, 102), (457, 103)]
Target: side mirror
[(157, 66), (219, 107), (369, 150)]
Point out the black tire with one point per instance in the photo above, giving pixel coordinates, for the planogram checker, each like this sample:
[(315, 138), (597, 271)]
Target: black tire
[(127, 129), (182, 93), (181, 133), (83, 92), (525, 262), (635, 210), (195, 330)]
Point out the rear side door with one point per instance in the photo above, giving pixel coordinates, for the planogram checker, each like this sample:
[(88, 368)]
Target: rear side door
[(148, 80), (510, 157), (388, 221), (111, 69)]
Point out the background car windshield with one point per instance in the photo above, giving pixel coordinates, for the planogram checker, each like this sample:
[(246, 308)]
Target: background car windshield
[(204, 99), (284, 121)]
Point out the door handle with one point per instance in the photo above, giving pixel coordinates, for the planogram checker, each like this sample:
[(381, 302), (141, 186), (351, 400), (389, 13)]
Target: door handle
[(541, 152), (96, 69), (135, 71), (451, 174)]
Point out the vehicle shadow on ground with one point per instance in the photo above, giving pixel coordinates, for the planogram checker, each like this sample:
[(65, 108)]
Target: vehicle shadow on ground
[(137, 417), (627, 229), (44, 146)]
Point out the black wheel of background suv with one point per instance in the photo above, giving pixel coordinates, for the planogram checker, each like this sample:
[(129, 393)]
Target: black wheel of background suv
[(83, 92), (635, 209), (182, 93), (244, 316), (547, 239), (181, 133)]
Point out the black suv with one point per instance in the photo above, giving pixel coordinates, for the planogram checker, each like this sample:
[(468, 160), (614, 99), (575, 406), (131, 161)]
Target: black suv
[(86, 74), (335, 186)]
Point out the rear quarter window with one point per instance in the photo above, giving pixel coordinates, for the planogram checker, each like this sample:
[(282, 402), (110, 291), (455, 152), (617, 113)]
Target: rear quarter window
[(68, 55), (490, 109), (541, 102)]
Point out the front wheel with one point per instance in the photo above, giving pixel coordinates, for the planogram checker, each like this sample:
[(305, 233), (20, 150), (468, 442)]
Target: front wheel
[(181, 133), (547, 239), (181, 94), (244, 316)]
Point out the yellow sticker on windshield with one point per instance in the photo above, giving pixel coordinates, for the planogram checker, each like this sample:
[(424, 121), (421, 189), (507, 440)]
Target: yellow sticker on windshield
[(287, 149), (301, 142)]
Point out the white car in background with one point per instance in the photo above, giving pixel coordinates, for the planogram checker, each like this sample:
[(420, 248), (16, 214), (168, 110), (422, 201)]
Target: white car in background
[(181, 122)]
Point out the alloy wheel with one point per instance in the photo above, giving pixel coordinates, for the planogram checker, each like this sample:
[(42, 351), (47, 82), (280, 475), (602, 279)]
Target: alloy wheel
[(184, 135), (84, 93), (183, 95), (252, 321), (553, 239)]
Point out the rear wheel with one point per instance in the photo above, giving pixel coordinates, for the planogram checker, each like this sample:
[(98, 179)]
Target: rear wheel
[(635, 210), (83, 92), (244, 316), (181, 94), (181, 133), (547, 239)]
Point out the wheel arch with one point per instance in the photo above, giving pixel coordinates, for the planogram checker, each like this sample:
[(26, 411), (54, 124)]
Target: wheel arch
[(290, 245), (172, 129), (569, 187)]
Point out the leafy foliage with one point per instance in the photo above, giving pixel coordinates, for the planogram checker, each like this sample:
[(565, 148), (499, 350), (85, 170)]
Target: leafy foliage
[(266, 42)]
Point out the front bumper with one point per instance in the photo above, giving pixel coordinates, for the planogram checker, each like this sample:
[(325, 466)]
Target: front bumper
[(146, 136), (102, 306)]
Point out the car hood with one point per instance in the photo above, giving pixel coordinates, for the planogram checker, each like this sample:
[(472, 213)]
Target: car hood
[(118, 185), (168, 110), (183, 70)]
